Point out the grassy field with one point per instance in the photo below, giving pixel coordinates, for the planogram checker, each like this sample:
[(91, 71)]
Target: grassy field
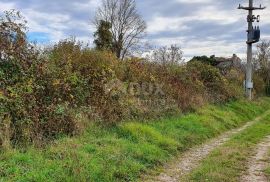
[(124, 152), (228, 162)]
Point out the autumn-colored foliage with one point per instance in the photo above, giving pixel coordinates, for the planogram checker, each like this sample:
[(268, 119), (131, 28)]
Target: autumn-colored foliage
[(43, 93)]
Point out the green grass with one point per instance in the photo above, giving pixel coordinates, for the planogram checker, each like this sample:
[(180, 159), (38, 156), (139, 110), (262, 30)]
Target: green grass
[(124, 152), (228, 162)]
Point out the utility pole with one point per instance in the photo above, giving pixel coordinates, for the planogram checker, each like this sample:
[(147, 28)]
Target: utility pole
[(253, 37)]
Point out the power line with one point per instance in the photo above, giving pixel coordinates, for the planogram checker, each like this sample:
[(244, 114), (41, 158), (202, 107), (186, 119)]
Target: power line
[(253, 37)]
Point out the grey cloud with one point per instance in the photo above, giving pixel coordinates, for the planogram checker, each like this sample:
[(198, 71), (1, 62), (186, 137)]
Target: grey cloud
[(45, 17)]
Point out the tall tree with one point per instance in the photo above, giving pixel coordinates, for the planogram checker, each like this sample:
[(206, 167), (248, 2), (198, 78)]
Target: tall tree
[(103, 35), (263, 60), (13, 40), (12, 35), (128, 27), (172, 55)]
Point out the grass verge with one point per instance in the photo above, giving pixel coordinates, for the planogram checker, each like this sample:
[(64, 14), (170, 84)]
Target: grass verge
[(228, 162), (124, 152)]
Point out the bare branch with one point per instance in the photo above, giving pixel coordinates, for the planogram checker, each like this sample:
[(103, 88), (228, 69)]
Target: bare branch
[(128, 28)]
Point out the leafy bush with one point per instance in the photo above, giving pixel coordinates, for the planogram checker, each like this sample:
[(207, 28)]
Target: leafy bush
[(267, 90), (204, 59), (43, 93)]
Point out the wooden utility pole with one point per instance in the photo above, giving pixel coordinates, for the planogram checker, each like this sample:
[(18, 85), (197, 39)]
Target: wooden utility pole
[(253, 37)]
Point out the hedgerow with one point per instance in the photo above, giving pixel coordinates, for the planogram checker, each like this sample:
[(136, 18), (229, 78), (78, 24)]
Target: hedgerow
[(43, 93)]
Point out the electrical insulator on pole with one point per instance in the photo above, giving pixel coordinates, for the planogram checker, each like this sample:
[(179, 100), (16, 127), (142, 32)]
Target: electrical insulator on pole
[(253, 37)]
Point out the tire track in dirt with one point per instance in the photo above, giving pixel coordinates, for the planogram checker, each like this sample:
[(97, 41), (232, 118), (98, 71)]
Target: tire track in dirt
[(189, 160), (258, 163)]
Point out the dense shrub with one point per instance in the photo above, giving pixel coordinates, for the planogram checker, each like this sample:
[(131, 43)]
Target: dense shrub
[(43, 93), (267, 90), (204, 59)]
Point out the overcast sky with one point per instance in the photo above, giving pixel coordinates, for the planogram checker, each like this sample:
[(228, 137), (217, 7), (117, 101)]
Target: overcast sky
[(200, 27)]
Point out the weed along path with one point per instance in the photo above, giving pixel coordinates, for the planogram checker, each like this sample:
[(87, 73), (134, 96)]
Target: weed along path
[(258, 163), (189, 160)]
